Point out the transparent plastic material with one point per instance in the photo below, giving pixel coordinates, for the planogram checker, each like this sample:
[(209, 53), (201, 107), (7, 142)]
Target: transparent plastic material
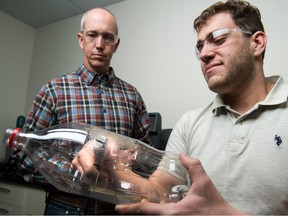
[(125, 168)]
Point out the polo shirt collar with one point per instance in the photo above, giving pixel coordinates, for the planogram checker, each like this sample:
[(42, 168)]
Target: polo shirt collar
[(277, 95)]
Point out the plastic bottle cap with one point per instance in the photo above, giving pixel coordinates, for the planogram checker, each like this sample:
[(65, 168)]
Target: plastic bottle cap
[(15, 131)]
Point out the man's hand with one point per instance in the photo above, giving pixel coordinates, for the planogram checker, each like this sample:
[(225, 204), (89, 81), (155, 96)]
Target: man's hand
[(202, 197), (84, 162)]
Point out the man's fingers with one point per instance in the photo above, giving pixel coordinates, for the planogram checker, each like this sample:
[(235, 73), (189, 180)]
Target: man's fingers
[(144, 207)]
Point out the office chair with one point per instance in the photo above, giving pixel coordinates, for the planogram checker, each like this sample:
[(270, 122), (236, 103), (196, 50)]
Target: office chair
[(163, 136), (156, 126)]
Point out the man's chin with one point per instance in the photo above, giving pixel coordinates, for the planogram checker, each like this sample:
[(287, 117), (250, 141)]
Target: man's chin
[(215, 85)]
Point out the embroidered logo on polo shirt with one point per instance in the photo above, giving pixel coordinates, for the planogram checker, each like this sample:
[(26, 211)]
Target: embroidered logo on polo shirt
[(278, 140)]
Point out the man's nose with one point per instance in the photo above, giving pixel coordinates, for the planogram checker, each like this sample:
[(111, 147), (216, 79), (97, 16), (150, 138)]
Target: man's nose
[(206, 51), (99, 41)]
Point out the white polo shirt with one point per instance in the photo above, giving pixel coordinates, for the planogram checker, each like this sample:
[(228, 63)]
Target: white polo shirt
[(246, 156)]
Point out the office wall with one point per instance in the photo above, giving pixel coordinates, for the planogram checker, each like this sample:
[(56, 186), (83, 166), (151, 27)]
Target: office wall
[(156, 52), (16, 45)]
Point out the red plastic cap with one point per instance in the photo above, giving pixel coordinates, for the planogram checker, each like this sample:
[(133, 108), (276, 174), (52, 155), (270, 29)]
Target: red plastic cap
[(13, 136)]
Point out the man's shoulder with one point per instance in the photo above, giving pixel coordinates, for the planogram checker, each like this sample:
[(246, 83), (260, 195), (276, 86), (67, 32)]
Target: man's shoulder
[(193, 115), (124, 83), (200, 110), (64, 78)]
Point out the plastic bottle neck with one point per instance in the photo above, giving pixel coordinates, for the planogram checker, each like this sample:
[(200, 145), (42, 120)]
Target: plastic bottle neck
[(10, 135)]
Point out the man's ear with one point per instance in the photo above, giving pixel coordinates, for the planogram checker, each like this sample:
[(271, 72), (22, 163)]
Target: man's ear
[(259, 41), (80, 39), (116, 45)]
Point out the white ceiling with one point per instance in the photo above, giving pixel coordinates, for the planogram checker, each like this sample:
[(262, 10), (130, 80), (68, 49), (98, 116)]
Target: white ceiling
[(38, 13)]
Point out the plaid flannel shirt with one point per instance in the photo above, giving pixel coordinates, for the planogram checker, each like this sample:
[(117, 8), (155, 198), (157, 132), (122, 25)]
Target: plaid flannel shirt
[(83, 96)]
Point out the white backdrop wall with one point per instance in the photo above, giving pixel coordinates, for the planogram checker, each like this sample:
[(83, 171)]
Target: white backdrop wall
[(156, 53), (16, 45)]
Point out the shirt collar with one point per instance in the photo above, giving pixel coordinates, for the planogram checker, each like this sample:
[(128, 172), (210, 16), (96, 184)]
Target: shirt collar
[(277, 95), (92, 77)]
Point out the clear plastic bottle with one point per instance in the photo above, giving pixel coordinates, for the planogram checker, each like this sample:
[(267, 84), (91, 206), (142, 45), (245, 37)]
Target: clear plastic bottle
[(124, 166)]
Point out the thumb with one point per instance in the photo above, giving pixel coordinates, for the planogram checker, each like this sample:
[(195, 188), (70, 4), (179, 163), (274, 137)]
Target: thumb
[(193, 166)]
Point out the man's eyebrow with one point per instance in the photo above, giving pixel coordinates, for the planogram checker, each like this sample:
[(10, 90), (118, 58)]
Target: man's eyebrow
[(207, 36), (90, 30)]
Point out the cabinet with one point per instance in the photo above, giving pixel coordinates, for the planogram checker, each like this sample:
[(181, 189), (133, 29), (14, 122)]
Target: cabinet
[(19, 199)]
